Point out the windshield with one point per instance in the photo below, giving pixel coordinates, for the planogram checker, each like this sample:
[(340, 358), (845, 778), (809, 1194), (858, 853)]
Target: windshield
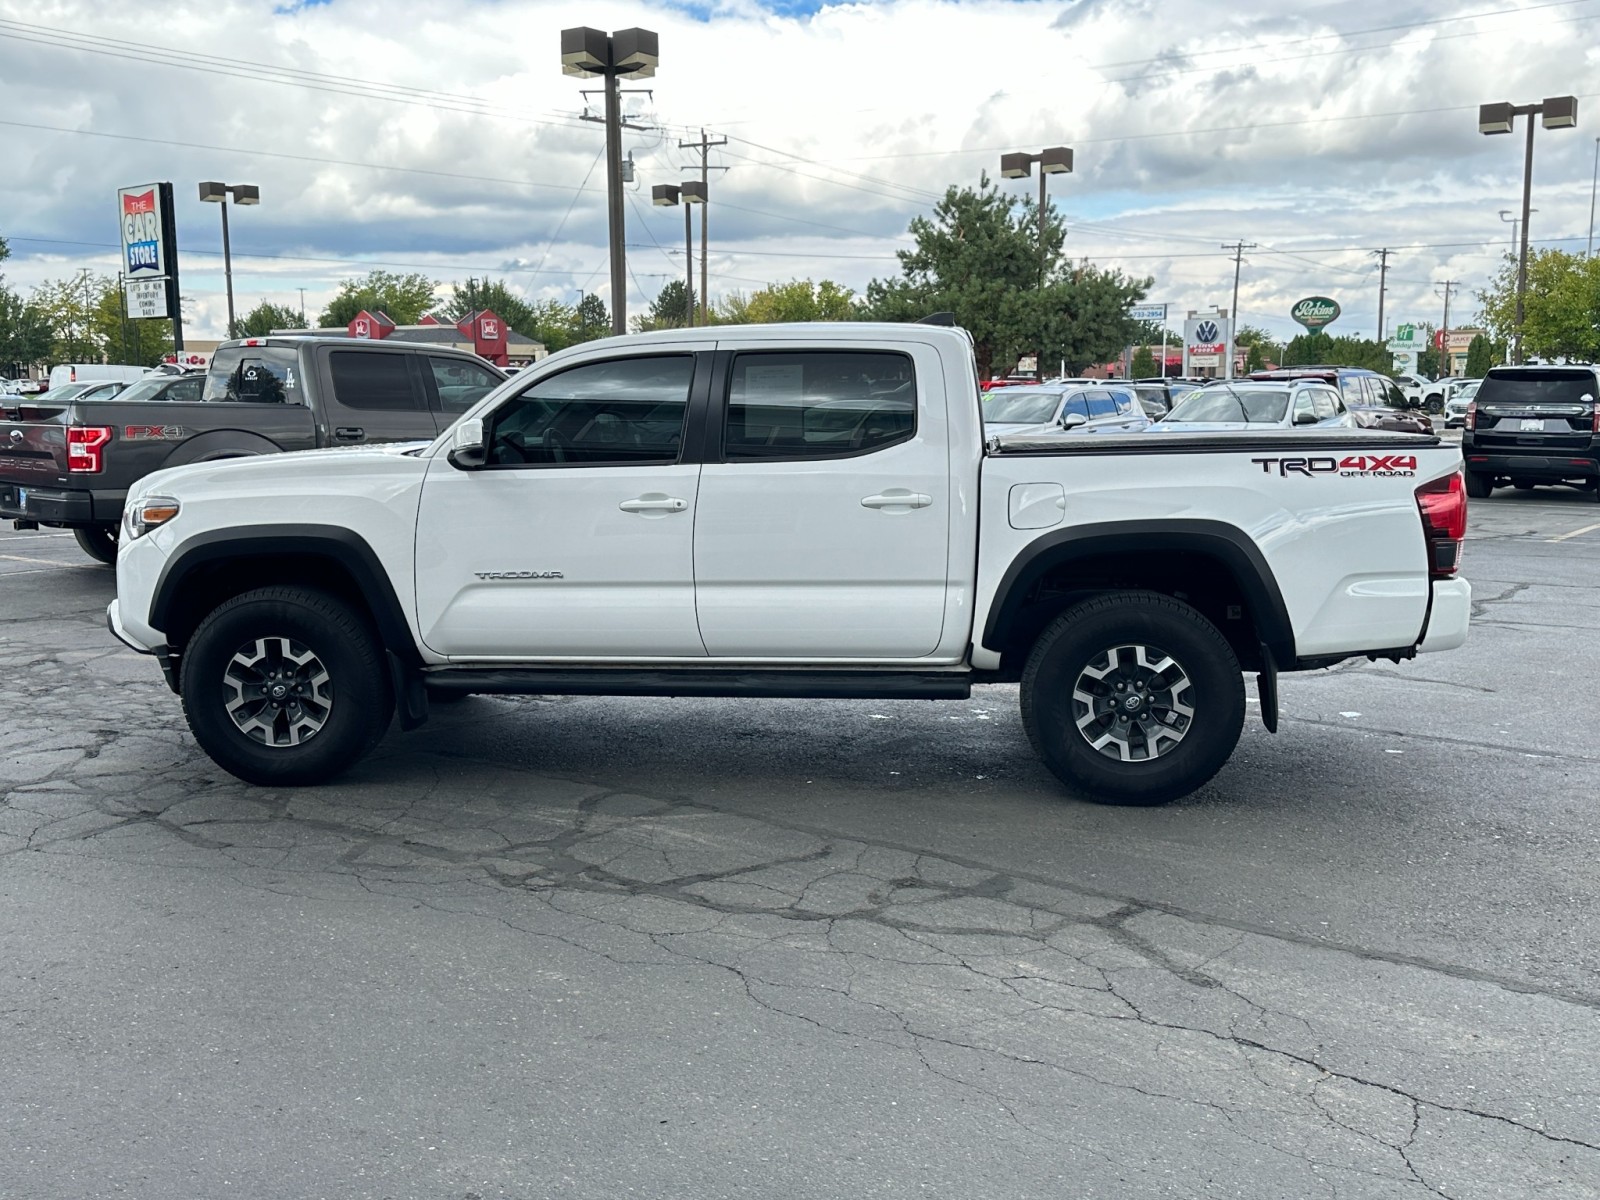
[(136, 391), (1257, 406), (1020, 406), (1549, 386)]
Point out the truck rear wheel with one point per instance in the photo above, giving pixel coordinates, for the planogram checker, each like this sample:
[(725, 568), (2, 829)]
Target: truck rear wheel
[(1479, 485), (99, 542), (285, 686), (1132, 698)]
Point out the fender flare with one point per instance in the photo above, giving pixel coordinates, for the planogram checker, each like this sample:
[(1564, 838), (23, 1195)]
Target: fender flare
[(219, 444), (333, 542), (1227, 544)]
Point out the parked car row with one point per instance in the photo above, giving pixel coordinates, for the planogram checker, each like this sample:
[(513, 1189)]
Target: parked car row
[(1331, 397)]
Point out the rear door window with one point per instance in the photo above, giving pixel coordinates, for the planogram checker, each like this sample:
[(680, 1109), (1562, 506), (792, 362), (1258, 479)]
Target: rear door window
[(816, 404), (1350, 386), (1101, 404), (373, 379)]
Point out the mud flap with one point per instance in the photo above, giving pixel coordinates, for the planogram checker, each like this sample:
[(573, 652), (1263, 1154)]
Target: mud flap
[(410, 697), (1267, 688)]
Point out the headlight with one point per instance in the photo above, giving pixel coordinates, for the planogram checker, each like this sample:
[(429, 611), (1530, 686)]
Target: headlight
[(140, 517)]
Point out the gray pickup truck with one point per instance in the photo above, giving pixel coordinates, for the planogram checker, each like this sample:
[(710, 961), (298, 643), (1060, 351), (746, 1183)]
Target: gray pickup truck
[(69, 465)]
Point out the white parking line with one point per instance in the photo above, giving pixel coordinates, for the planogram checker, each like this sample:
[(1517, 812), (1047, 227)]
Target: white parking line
[(32, 537), (1575, 533), (48, 562)]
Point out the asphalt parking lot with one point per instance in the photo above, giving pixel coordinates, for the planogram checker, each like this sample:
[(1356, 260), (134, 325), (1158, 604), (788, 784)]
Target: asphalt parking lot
[(612, 948)]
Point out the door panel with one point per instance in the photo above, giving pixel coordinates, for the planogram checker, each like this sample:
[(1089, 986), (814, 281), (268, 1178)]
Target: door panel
[(577, 540), (372, 395), (811, 543)]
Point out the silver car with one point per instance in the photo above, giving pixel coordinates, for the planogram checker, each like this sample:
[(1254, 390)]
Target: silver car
[(1257, 404), (1063, 408)]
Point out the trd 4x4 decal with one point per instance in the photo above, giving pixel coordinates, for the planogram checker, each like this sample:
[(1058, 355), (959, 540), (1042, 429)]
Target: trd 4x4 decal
[(1381, 465)]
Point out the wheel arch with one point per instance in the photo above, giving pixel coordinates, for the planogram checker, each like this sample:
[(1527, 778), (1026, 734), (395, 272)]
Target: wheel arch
[(1210, 564), (210, 568)]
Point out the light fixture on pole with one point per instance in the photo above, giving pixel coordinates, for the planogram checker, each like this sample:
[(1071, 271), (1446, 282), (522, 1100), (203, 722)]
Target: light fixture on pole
[(1507, 214), (1056, 160), (218, 193), (690, 192), (634, 53), (1556, 112)]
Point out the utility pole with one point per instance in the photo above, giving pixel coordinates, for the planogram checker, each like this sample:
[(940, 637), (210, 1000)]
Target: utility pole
[(83, 331), (1594, 184), (1238, 249), (1444, 333), (704, 145), (302, 308), (1383, 287)]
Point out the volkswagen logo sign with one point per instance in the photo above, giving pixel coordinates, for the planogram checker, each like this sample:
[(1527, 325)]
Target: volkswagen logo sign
[(1208, 332)]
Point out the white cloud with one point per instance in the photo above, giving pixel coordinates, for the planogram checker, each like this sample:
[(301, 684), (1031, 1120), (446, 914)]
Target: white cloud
[(1193, 123)]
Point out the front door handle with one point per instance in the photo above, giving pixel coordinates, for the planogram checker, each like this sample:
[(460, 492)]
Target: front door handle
[(897, 498), (654, 502), (350, 433)]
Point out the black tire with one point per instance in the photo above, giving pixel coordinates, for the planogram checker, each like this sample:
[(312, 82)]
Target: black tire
[(99, 542), (347, 695), (1086, 636), (1479, 485)]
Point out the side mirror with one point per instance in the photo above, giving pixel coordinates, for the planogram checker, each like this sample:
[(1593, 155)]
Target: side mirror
[(1305, 418), (1586, 398), (467, 451), (1074, 421)]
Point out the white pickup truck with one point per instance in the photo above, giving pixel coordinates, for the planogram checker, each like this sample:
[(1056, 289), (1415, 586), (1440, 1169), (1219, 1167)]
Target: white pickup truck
[(798, 510)]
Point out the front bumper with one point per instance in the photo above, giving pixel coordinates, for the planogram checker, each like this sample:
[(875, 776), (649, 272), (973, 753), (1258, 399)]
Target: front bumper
[(162, 652), (1448, 616)]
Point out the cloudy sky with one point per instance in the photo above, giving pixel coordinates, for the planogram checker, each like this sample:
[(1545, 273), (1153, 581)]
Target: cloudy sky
[(444, 138)]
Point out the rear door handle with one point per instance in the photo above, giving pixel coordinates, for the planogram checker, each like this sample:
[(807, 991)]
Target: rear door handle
[(653, 502), (897, 498), (350, 433)]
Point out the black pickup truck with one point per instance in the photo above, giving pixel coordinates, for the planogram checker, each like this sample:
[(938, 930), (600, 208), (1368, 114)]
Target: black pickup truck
[(69, 465)]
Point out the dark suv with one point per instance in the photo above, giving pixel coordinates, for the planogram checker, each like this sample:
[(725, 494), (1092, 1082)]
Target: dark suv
[(1532, 425)]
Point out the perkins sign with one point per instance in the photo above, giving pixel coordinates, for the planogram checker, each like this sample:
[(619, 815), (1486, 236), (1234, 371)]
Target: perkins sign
[(1315, 312)]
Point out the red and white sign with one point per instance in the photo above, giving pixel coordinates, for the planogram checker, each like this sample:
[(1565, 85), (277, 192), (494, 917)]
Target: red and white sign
[(363, 328), (490, 328)]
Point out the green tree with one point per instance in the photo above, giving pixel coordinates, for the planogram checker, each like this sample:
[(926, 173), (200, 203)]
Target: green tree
[(978, 256), (669, 310), (1144, 363), (592, 319), (1561, 305), (267, 316), (1253, 360), (404, 298), (475, 295), (68, 307), (797, 300), (1480, 357), (25, 335)]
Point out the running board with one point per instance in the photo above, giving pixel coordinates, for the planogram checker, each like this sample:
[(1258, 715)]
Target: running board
[(777, 683)]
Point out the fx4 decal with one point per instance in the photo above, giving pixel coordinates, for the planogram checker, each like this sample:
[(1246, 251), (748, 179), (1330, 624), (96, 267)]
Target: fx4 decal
[(1376, 465), (153, 433)]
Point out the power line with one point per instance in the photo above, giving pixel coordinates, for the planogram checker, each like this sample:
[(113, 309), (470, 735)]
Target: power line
[(1348, 33)]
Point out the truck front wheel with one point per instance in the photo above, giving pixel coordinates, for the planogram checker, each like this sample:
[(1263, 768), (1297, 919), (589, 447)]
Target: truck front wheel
[(1132, 698), (285, 686), (99, 542)]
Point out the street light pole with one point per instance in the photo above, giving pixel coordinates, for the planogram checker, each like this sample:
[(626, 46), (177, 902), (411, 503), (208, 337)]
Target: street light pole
[(629, 52), (218, 193), (1593, 185), (690, 192), (1556, 112), (1053, 160)]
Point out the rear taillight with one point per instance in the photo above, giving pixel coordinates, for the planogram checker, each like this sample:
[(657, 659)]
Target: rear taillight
[(1472, 414), (1443, 505), (86, 448), (1596, 423)]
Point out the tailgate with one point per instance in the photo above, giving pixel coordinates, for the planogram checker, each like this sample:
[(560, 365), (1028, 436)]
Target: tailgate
[(1550, 408), (33, 443)]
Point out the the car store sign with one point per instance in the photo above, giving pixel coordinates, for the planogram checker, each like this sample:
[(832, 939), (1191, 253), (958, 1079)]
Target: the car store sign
[(1315, 312)]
